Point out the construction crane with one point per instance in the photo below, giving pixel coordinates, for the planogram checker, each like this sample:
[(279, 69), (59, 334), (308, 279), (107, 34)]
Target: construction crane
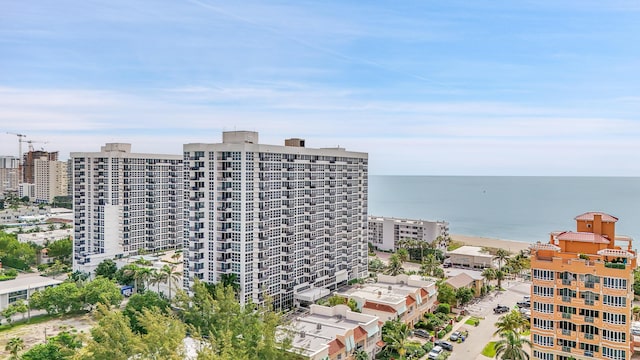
[(20, 139), (31, 142)]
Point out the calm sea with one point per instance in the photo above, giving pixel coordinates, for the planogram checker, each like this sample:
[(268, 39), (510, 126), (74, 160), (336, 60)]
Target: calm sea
[(504, 207)]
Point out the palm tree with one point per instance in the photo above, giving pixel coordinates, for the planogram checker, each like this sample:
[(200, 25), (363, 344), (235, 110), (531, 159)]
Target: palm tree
[(438, 272), (500, 275), (489, 274), (501, 255), (511, 347), (360, 355), (140, 275), (14, 346), (157, 277), (513, 321), (395, 265), (403, 254), (429, 265), (398, 338), (171, 275)]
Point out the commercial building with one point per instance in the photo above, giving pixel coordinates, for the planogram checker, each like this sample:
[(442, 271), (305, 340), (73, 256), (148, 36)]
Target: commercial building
[(23, 287), (282, 219), (472, 257), (385, 232), (582, 292), (328, 333), (125, 203)]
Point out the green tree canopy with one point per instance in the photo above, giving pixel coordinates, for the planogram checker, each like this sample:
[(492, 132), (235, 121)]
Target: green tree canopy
[(446, 294), (102, 290), (139, 302), (58, 299), (61, 249), (108, 269)]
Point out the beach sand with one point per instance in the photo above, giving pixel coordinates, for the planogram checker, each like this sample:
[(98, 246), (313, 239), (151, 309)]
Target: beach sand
[(510, 245)]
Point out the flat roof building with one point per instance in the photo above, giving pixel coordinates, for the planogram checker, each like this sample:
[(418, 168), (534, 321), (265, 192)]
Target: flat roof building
[(282, 219), (22, 287), (472, 257), (386, 232)]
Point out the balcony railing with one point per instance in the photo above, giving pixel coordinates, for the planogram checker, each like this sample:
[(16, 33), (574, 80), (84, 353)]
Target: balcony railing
[(588, 336), (566, 298), (566, 332), (588, 319), (566, 315), (566, 349)]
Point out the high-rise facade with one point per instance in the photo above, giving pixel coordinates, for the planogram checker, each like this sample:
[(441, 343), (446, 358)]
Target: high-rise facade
[(582, 292), (280, 220), (30, 158), (9, 173), (125, 203), (385, 233), (50, 179)]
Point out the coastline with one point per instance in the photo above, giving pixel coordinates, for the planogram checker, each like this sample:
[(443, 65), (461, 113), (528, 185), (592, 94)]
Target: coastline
[(510, 245)]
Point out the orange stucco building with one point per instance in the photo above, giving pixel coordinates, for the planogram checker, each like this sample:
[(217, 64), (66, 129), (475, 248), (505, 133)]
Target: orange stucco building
[(582, 292)]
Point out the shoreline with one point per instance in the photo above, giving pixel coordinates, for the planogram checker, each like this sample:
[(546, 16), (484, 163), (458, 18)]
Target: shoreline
[(512, 246)]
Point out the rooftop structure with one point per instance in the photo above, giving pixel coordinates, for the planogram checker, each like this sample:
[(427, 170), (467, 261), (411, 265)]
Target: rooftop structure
[(470, 257)]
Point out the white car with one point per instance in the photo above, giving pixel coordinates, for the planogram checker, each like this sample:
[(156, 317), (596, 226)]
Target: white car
[(435, 352)]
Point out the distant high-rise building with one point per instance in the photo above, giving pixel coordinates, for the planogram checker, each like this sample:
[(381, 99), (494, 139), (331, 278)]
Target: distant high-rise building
[(125, 203), (279, 220), (50, 179), (9, 173), (386, 232), (582, 292), (29, 163)]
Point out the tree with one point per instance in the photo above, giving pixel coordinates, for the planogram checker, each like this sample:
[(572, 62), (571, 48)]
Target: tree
[(360, 355), (464, 295), (79, 276), (395, 265), (58, 300), (140, 275), (107, 268), (157, 277), (501, 255), (396, 336), (60, 347), (336, 300), (102, 290), (500, 275), (14, 346), (489, 274), (61, 249), (163, 337), (376, 265), (403, 254), (173, 276), (446, 293), (429, 265), (511, 346), (112, 338), (512, 321), (139, 302)]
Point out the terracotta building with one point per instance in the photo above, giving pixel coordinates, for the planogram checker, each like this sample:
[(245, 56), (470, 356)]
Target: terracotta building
[(582, 292)]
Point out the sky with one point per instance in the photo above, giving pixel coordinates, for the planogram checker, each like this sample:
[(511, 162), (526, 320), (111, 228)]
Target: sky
[(476, 87)]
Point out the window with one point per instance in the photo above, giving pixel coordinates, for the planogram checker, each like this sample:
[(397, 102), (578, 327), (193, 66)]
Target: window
[(543, 291), (615, 336), (614, 283), (542, 355), (543, 274), (614, 318), (543, 340), (543, 324), (613, 354), (543, 307), (618, 301)]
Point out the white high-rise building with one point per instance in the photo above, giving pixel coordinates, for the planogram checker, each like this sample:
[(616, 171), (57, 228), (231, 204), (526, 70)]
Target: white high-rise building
[(282, 221), (125, 203), (50, 179), (386, 232), (9, 173)]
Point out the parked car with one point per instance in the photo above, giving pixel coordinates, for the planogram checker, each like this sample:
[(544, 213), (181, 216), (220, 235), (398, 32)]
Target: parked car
[(524, 304), (457, 335), (500, 309), (435, 352), (445, 345), (422, 333), (526, 298)]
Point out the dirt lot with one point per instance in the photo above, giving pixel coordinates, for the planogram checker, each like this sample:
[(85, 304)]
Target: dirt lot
[(35, 333)]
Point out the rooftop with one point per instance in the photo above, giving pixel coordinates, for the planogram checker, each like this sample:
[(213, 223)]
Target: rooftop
[(582, 237), (474, 274), (460, 280), (589, 216), (470, 250), (26, 281)]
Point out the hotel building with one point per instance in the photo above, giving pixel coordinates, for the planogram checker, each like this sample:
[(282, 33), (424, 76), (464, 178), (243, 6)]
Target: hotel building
[(582, 292), (386, 232), (284, 220), (125, 203)]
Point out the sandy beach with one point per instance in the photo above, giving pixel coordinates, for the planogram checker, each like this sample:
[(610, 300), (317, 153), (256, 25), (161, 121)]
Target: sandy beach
[(511, 245)]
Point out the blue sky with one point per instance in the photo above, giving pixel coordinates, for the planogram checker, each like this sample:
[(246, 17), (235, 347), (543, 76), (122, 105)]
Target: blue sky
[(425, 87)]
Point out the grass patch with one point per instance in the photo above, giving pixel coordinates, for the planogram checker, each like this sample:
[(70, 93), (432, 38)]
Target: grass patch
[(37, 319), (489, 349), (454, 245), (472, 321)]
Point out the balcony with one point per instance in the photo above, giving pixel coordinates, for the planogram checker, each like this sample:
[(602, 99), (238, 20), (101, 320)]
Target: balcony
[(566, 299), (566, 332), (589, 319), (566, 315), (566, 349), (588, 336), (566, 281), (588, 353)]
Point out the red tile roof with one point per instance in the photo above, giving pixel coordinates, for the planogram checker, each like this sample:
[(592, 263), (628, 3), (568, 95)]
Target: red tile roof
[(410, 301), (380, 343), (335, 347), (588, 216), (583, 237), (379, 307), (424, 293), (359, 333)]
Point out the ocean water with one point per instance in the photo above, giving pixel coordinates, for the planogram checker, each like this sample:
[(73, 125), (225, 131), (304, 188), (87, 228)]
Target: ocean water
[(505, 207)]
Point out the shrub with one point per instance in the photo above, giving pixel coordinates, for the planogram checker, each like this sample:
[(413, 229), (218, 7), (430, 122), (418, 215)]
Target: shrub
[(459, 318), (427, 346), (414, 351), (422, 325), (441, 334), (448, 328), (443, 308)]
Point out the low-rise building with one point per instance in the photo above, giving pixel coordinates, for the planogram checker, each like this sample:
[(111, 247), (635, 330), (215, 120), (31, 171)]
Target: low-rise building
[(328, 333), (472, 257), (22, 287), (385, 232), (44, 237), (404, 297), (15, 216), (459, 278)]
